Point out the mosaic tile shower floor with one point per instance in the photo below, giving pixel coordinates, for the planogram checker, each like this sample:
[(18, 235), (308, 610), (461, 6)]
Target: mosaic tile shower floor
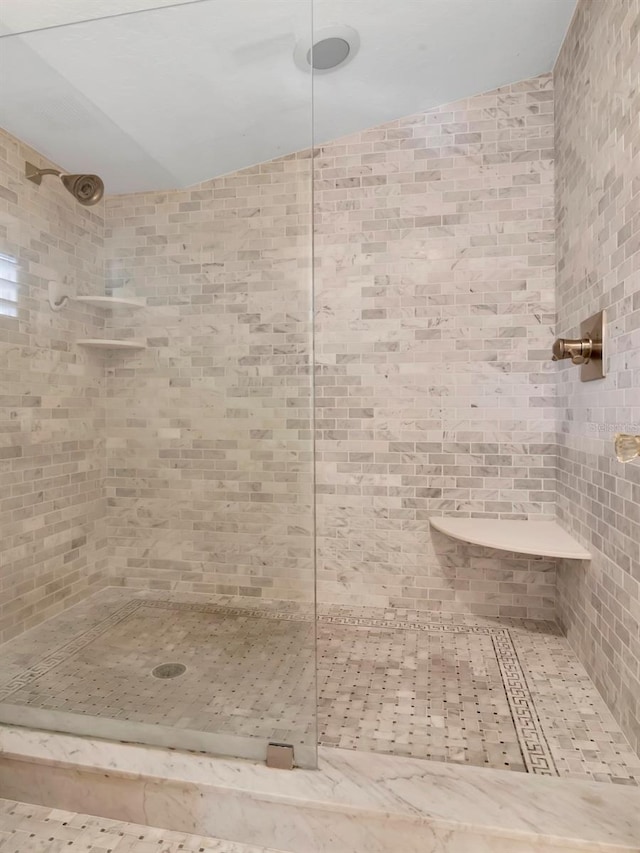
[(508, 694)]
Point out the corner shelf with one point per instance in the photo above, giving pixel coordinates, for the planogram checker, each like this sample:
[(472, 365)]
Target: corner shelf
[(109, 301), (540, 538), (105, 343)]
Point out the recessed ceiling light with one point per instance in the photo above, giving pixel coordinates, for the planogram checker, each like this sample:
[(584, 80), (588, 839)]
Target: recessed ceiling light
[(331, 48), (328, 53)]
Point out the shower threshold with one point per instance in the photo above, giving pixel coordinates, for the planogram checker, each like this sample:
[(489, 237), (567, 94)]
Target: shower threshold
[(354, 801)]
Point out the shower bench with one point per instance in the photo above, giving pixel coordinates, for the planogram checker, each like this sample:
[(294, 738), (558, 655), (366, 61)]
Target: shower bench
[(541, 538)]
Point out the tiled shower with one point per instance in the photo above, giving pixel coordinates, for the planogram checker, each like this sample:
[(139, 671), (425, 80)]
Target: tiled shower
[(335, 346)]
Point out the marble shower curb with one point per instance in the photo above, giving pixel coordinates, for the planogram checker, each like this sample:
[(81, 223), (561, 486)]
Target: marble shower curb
[(355, 801)]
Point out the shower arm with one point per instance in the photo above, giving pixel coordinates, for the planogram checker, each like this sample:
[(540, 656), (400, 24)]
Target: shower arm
[(86, 189), (32, 173)]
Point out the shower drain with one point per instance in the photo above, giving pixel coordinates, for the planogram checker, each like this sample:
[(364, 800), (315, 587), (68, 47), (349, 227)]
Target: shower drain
[(169, 670)]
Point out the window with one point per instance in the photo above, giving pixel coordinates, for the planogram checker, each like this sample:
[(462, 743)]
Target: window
[(8, 286)]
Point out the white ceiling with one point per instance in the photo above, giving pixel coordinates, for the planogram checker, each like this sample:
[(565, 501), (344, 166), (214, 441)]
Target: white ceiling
[(168, 97)]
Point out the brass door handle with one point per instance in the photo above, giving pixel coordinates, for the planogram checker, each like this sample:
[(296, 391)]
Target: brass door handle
[(627, 447)]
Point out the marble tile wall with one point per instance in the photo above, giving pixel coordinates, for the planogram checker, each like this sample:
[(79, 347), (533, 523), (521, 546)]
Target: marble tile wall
[(435, 311), (52, 543), (431, 231), (597, 81), (210, 456)]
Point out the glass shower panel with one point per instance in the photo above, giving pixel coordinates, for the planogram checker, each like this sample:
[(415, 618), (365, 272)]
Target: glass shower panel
[(158, 582)]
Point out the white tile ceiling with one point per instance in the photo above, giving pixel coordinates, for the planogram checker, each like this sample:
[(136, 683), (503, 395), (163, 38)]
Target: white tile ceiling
[(172, 96)]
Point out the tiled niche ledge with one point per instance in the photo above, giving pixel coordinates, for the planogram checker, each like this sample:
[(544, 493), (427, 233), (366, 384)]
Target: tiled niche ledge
[(354, 802)]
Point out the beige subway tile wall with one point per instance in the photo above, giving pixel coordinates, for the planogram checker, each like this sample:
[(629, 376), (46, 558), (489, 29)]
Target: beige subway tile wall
[(52, 506), (597, 80), (210, 452), (435, 311)]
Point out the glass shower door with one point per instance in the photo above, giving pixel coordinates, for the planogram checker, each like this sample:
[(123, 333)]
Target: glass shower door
[(166, 595)]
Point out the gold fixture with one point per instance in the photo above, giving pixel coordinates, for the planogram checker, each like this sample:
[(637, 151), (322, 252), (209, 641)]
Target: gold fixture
[(578, 351), (587, 351), (627, 447), (87, 189)]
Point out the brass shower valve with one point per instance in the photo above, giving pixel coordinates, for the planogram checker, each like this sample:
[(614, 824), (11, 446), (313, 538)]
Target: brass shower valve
[(579, 351), (588, 350)]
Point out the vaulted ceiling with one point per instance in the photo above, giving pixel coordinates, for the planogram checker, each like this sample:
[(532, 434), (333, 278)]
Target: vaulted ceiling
[(159, 94)]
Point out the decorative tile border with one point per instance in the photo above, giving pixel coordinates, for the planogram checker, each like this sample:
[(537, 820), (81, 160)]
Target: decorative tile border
[(532, 741), (253, 613), (65, 651), (430, 627)]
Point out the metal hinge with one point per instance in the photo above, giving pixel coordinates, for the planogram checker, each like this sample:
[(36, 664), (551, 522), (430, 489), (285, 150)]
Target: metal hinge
[(280, 756)]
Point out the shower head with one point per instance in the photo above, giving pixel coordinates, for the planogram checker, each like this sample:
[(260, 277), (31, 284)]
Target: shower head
[(87, 189)]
